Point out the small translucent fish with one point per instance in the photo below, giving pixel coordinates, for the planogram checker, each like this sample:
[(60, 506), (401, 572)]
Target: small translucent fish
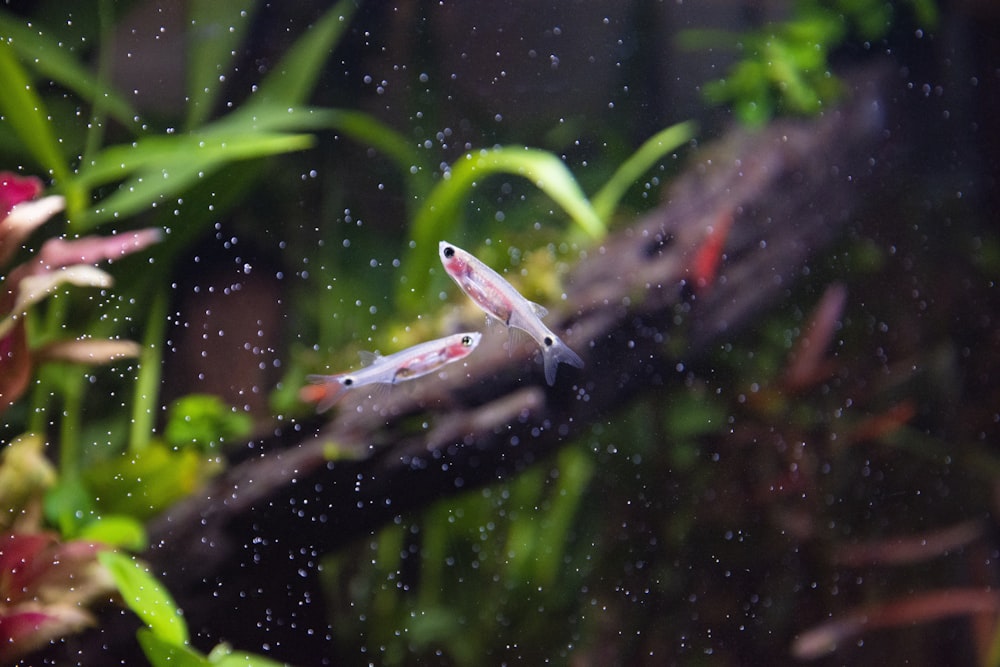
[(411, 363), (498, 298)]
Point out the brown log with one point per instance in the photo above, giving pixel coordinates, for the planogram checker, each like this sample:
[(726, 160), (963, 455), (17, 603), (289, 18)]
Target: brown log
[(241, 556)]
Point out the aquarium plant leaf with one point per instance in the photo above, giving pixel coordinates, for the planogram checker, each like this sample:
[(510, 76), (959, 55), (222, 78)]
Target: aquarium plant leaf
[(224, 656), (357, 125), (665, 141), (22, 108), (116, 530), (204, 421), (147, 481), (146, 597), (294, 78), (164, 653), (202, 149), (48, 58), (162, 167), (215, 33), (438, 217)]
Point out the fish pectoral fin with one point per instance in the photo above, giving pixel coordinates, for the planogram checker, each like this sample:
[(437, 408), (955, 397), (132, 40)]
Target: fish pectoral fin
[(515, 336)]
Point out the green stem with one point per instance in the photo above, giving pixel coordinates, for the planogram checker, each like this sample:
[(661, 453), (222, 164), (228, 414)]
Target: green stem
[(69, 427), (150, 370), (99, 113), (44, 326)]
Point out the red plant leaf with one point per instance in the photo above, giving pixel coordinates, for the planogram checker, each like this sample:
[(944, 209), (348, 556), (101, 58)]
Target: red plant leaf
[(26, 630), (15, 189), (926, 607), (15, 366), (57, 253), (22, 560)]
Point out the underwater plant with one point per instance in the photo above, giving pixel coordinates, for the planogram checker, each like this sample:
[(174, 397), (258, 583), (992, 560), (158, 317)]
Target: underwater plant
[(784, 67)]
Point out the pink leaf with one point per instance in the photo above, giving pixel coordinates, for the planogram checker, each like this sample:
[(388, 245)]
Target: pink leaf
[(15, 189), (93, 249)]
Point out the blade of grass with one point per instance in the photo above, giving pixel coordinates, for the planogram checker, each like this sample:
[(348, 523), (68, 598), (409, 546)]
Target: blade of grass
[(217, 29), (100, 103), (357, 125), (438, 217), (23, 110), (51, 61), (652, 151), (576, 468), (202, 149), (294, 78), (162, 171), (146, 396)]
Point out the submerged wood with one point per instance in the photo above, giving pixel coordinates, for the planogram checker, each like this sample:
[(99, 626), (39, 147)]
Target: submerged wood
[(240, 557)]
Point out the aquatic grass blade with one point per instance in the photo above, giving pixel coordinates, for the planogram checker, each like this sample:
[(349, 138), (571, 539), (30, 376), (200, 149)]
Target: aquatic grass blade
[(202, 149), (662, 143), (23, 110), (576, 468), (293, 79), (357, 125), (438, 217), (49, 59), (160, 169), (217, 29)]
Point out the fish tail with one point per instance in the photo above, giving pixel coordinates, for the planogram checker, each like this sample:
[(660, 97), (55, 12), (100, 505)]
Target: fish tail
[(555, 354), (323, 390)]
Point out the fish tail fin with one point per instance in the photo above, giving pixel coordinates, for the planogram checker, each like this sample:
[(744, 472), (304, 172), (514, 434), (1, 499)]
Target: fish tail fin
[(323, 390), (555, 354)]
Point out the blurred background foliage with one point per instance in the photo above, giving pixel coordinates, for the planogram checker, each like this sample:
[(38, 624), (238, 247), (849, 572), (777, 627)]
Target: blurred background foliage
[(303, 175)]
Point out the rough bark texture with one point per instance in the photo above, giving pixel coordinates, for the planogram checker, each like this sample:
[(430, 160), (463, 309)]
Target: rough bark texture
[(241, 557)]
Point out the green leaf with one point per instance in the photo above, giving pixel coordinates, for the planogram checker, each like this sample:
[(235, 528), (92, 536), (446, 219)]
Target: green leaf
[(163, 653), (660, 144), (204, 420), (691, 415), (116, 531), (165, 168), (144, 482), (224, 656), (438, 217), (215, 32), (203, 150), (293, 79), (576, 468), (68, 504), (357, 125), (146, 597), (23, 110), (48, 57)]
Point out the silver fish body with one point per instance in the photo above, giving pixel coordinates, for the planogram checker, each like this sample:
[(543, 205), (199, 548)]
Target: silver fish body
[(408, 364), (501, 301)]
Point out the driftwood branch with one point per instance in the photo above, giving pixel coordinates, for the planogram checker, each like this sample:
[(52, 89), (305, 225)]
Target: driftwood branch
[(240, 557)]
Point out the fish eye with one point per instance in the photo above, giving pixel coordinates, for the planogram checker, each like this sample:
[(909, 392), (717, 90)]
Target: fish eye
[(449, 252), (548, 341), (348, 382), (466, 341)]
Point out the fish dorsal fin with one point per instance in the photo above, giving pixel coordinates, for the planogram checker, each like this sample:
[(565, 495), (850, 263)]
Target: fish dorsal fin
[(538, 309), (368, 358)]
